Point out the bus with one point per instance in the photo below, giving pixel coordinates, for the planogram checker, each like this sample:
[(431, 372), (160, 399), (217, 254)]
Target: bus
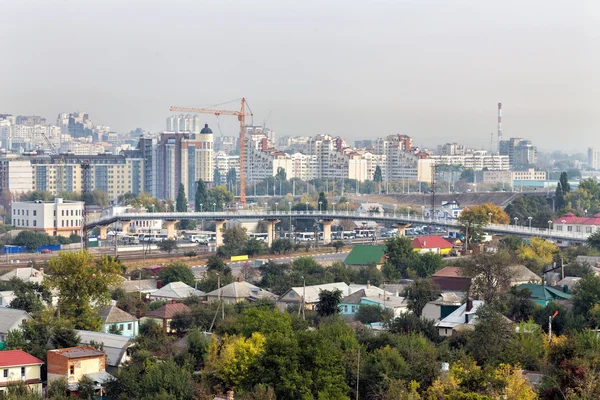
[(305, 236), (262, 236), (203, 237)]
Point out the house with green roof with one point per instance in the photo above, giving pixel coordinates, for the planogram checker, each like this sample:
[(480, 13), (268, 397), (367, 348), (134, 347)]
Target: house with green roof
[(363, 255), (543, 294)]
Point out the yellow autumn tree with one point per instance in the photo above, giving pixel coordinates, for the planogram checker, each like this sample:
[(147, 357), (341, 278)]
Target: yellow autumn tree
[(537, 253), (231, 357), (498, 215)]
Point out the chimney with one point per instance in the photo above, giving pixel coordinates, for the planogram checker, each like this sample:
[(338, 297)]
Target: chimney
[(229, 395), (469, 304)]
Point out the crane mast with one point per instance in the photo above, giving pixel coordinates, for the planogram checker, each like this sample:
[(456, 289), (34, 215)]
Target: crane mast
[(242, 114)]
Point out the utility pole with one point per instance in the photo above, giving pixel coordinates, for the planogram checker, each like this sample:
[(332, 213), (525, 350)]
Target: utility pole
[(357, 373)]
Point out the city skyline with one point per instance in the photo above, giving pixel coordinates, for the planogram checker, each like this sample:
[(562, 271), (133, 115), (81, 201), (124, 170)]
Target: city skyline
[(433, 71)]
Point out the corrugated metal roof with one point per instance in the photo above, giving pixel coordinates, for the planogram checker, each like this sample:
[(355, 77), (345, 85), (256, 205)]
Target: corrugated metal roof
[(176, 290)]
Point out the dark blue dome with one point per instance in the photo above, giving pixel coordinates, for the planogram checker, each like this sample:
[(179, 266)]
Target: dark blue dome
[(206, 129)]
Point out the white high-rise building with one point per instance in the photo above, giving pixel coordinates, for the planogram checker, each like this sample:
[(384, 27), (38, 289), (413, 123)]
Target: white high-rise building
[(593, 158)]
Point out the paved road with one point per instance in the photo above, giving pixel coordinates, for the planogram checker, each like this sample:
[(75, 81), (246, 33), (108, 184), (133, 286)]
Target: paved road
[(237, 266)]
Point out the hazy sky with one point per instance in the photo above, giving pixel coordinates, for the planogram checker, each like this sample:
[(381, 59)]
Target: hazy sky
[(434, 70)]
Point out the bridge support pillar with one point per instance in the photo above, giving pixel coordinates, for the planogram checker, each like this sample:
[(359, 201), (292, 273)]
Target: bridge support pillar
[(327, 230), (125, 227), (103, 231), (271, 230), (170, 226), (219, 231), (402, 229)]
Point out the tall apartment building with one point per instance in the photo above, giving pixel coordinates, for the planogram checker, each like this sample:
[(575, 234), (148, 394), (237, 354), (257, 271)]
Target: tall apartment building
[(181, 123), (113, 174), (477, 161), (16, 174), (184, 158), (519, 151), (593, 158), (224, 162), (452, 149)]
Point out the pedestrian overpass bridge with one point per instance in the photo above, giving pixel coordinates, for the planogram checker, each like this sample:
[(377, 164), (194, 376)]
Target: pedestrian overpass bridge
[(326, 218)]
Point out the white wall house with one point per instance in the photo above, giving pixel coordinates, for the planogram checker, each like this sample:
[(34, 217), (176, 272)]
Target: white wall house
[(56, 218)]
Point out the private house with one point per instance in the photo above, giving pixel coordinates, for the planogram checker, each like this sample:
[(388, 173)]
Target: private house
[(73, 363), (363, 255), (450, 279), (543, 295), (11, 319), (371, 208), (439, 309), (520, 274), (569, 222), (117, 319), (350, 304), (18, 366), (26, 274), (165, 314), (432, 244), (463, 318), (144, 286), (175, 291), (396, 304), (239, 291), (116, 347), (311, 295)]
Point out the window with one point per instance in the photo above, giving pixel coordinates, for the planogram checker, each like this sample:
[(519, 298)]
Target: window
[(34, 213), (569, 228), (23, 371), (62, 212), (129, 326), (6, 373), (345, 309), (72, 370), (34, 222)]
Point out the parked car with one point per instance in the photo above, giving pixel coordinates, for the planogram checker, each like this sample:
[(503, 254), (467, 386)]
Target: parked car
[(46, 251)]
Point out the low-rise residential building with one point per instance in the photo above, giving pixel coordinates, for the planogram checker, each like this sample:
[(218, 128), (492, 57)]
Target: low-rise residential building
[(113, 318), (73, 363), (432, 244), (543, 294), (56, 218), (363, 255), (165, 314), (396, 304), (18, 366), (175, 291), (463, 318), (26, 274), (450, 279), (11, 319), (439, 309), (116, 347), (310, 294), (239, 291), (350, 304), (145, 286)]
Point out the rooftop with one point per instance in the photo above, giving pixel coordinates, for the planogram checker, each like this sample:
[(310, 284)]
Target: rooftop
[(10, 358), (114, 345), (457, 317), (168, 311), (362, 254), (177, 290), (26, 274), (449, 272), (431, 242), (242, 290), (79, 352), (544, 293), (112, 314), (312, 292)]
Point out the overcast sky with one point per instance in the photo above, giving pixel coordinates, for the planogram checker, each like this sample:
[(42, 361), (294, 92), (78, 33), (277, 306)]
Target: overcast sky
[(434, 70)]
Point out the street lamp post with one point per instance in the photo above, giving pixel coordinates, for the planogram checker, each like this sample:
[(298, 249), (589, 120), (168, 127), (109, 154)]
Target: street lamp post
[(276, 205), (320, 205), (200, 207), (529, 218), (347, 207), (423, 213), (408, 211), (564, 225), (307, 206), (490, 215), (290, 230), (214, 207), (516, 221), (333, 206), (395, 207), (549, 226)]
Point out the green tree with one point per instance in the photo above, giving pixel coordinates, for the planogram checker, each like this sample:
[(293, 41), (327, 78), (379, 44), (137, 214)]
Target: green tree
[(218, 196), (419, 293), (177, 272), (231, 179), (201, 196), (29, 296), (562, 189), (33, 240), (181, 202), (217, 177), (587, 295), (378, 176), (282, 246), (329, 301), (400, 257), (254, 246), (519, 306), (86, 388), (338, 245), (468, 175), (167, 245), (428, 264), (491, 336), (593, 240), (409, 323), (368, 314), (490, 275), (281, 174), (322, 201), (81, 279)]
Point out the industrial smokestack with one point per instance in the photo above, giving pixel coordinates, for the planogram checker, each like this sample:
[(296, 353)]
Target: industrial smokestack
[(499, 125)]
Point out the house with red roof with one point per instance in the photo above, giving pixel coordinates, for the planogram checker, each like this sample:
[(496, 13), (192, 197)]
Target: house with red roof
[(432, 244), (570, 222), (165, 314), (18, 366)]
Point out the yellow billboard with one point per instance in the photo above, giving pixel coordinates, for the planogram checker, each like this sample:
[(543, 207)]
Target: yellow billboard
[(239, 258)]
